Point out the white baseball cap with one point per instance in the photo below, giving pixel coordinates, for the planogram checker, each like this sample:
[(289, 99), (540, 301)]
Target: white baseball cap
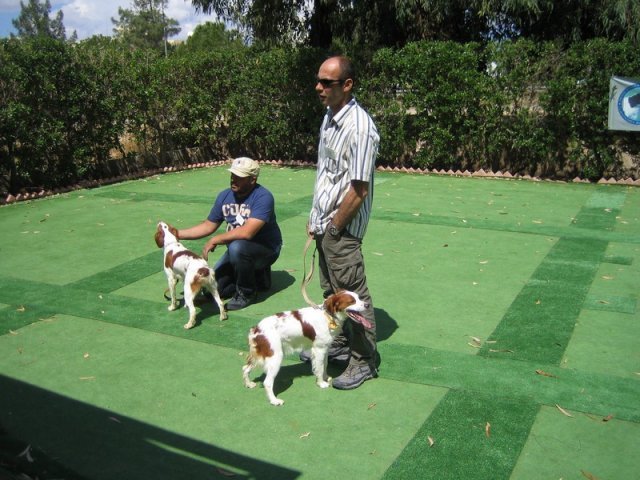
[(245, 167)]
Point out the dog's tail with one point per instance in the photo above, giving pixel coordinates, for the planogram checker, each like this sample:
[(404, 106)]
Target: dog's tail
[(204, 276)]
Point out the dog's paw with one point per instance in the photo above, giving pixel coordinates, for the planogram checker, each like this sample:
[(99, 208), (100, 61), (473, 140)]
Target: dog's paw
[(277, 402), (171, 308), (323, 384), (189, 325), (250, 384), (223, 315)]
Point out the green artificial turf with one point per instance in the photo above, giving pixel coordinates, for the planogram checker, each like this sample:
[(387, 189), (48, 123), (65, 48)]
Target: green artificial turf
[(502, 308)]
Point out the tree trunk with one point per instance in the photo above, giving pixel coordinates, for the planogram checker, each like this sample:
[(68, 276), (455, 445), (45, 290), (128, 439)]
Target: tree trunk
[(321, 34)]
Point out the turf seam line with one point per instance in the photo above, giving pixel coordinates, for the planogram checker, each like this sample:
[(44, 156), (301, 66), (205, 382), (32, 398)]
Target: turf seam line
[(520, 328)]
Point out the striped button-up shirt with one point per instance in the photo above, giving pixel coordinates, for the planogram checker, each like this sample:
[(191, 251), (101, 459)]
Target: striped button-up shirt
[(347, 151)]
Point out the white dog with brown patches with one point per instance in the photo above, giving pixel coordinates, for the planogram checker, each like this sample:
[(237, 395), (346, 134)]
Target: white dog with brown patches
[(181, 263), (293, 331)]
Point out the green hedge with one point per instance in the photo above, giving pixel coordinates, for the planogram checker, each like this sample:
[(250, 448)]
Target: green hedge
[(523, 107), (536, 108)]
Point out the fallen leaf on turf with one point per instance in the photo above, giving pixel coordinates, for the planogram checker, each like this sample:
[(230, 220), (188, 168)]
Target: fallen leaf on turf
[(588, 475), (474, 345), (564, 412), (484, 262), (431, 441), (226, 473), (504, 350), (371, 405), (305, 435), (13, 333), (378, 253), (487, 429), (86, 355), (604, 302), (27, 454), (607, 277), (537, 221), (20, 308), (545, 374), (607, 418), (114, 419), (87, 378)]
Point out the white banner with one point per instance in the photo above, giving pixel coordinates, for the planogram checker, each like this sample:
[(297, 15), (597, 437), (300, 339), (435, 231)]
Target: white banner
[(624, 104)]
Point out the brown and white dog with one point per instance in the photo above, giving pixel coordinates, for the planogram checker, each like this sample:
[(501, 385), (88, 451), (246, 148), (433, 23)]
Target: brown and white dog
[(293, 331), (181, 263)]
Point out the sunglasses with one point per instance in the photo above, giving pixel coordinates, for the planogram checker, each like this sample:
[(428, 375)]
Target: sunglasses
[(327, 82)]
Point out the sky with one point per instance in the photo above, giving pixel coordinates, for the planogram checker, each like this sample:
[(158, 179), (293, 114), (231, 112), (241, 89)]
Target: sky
[(93, 17)]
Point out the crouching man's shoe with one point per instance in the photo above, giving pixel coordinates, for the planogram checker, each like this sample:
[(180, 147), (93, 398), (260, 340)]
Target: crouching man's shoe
[(240, 301), (354, 376)]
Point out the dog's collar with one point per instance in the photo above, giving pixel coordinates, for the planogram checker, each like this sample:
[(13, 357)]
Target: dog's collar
[(330, 319)]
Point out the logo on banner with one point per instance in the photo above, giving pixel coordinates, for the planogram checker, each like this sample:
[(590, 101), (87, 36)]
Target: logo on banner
[(624, 104), (629, 104)]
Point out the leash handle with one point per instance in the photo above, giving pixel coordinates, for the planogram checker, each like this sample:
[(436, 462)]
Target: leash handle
[(307, 277)]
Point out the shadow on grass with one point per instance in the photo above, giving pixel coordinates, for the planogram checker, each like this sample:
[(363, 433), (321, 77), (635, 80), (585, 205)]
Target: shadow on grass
[(46, 435)]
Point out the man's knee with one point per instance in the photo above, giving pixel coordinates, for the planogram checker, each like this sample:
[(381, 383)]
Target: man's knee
[(237, 250)]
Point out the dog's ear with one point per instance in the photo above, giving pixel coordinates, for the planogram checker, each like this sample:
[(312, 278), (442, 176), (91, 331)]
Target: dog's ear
[(174, 231), (334, 303), (159, 236)]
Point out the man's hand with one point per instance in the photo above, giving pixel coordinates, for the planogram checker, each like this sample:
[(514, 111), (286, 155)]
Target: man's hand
[(310, 233), (210, 246)]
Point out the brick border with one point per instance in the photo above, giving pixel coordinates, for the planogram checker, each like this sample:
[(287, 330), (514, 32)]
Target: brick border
[(9, 199)]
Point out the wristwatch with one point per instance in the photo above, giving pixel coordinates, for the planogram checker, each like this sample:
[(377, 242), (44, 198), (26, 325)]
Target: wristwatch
[(333, 230)]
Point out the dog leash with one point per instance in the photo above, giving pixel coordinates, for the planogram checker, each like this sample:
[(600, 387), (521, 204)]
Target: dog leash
[(307, 277)]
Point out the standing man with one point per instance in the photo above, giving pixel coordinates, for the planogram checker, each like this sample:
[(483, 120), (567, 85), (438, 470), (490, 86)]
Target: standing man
[(252, 237), (341, 207)]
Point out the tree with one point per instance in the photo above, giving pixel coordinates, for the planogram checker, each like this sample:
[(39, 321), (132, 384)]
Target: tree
[(145, 25), (269, 22), (380, 23), (211, 36), (567, 21), (34, 21)]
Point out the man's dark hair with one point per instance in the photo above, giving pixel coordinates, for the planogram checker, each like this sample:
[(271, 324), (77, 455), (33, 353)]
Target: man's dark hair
[(346, 68)]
